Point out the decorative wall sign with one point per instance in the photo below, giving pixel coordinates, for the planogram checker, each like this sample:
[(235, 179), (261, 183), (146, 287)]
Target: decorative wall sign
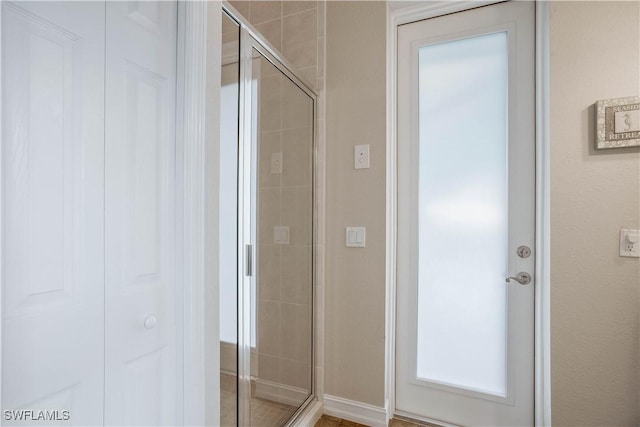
[(618, 123)]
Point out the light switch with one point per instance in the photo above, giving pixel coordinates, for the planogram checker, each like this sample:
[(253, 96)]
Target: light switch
[(630, 243), (276, 163), (361, 156), (356, 237), (281, 235)]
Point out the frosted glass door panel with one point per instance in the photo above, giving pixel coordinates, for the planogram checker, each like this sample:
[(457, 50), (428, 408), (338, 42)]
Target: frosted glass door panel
[(463, 213)]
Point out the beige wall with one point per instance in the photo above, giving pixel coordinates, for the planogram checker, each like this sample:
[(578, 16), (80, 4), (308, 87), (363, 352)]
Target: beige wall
[(355, 277), (595, 54), (595, 293)]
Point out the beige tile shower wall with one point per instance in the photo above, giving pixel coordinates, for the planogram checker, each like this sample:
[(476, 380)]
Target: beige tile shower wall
[(284, 270), (355, 277), (296, 30), (595, 358)]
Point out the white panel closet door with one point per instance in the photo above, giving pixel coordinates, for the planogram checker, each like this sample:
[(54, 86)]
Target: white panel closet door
[(142, 296), (52, 208)]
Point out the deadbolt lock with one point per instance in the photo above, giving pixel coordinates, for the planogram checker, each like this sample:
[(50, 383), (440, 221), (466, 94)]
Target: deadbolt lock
[(523, 251)]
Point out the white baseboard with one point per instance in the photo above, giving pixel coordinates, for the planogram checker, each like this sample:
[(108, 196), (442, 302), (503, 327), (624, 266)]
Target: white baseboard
[(358, 412), (310, 416), (280, 393)]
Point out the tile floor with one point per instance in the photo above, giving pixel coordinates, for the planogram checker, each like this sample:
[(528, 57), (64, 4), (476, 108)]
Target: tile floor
[(264, 413), (329, 421), (227, 400), (402, 423)]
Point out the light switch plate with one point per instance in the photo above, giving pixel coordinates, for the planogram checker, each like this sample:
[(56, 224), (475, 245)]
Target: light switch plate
[(281, 235), (276, 163), (361, 156), (630, 243), (356, 237)]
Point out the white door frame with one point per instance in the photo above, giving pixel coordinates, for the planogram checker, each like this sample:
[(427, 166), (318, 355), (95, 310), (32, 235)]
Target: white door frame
[(198, 130), (1, 210), (542, 375), (195, 225)]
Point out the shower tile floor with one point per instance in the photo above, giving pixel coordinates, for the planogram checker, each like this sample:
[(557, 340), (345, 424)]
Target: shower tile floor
[(227, 400), (329, 421), (264, 413)]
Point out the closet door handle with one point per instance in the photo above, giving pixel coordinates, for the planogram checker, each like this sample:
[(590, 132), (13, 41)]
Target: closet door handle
[(150, 322)]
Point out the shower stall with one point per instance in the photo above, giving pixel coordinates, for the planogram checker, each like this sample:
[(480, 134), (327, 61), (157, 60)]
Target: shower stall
[(267, 232)]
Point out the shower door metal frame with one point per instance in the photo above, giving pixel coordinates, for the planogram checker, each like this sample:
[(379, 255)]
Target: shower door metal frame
[(250, 40)]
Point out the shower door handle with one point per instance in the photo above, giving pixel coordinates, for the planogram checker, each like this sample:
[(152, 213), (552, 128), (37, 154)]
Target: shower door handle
[(249, 255)]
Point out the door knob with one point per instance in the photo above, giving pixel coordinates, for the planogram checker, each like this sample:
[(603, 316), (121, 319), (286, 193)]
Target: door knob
[(522, 278), (150, 321)]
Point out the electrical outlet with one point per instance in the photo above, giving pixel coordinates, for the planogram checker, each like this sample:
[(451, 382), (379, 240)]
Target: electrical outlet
[(630, 243)]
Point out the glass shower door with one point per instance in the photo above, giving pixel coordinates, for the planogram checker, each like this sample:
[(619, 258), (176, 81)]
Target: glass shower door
[(266, 234), (279, 138)]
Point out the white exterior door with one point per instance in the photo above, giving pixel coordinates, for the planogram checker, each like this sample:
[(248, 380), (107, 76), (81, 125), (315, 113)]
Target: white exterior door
[(142, 322), (466, 153), (52, 208)]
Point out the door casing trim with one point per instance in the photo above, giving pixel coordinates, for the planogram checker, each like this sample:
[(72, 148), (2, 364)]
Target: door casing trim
[(196, 123), (1, 206), (542, 361)]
